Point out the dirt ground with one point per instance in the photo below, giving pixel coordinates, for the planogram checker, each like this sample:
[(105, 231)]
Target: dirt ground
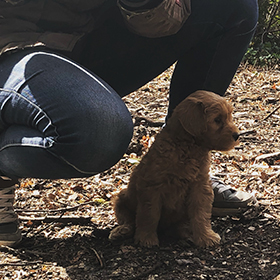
[(65, 223)]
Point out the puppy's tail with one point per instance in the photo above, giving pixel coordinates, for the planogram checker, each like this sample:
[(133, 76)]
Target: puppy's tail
[(123, 207)]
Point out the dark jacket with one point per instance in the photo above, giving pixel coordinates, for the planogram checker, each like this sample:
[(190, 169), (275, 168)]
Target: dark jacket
[(57, 24)]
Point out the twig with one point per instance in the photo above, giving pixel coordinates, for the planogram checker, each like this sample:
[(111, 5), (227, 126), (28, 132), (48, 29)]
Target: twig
[(51, 223), (270, 114), (98, 257), (148, 121), (265, 156), (260, 123), (252, 131), (35, 253), (7, 249), (257, 125), (50, 219), (55, 210), (15, 252), (20, 263)]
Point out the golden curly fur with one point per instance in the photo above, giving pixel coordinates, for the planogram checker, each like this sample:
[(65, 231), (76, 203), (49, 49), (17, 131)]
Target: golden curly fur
[(170, 188)]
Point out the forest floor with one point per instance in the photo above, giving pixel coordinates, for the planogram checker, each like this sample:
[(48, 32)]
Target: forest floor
[(66, 223)]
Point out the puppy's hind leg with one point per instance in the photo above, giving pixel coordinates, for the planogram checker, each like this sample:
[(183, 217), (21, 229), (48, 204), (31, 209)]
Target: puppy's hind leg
[(147, 218), (125, 215)]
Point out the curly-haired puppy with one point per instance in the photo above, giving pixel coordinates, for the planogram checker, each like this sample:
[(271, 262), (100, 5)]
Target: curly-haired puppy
[(170, 188)]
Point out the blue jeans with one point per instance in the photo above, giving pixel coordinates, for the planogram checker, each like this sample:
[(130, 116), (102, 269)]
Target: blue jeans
[(59, 119)]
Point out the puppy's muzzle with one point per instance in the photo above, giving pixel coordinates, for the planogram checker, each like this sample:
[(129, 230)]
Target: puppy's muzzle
[(235, 136)]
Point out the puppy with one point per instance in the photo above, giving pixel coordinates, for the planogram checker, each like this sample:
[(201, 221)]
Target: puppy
[(170, 188)]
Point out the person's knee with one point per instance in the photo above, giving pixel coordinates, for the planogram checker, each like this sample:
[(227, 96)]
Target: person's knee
[(114, 142), (97, 140)]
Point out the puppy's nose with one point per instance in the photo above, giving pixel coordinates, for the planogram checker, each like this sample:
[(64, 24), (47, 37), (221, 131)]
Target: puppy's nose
[(235, 136)]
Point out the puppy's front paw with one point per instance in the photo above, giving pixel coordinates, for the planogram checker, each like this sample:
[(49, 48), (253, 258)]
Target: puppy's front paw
[(146, 240), (121, 232), (210, 239)]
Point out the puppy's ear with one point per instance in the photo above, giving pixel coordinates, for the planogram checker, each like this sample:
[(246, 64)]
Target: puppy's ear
[(191, 114)]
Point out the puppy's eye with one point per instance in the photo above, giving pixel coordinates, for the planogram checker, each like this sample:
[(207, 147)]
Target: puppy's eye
[(218, 120)]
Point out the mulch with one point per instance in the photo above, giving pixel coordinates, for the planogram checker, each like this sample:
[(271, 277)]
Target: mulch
[(65, 223)]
